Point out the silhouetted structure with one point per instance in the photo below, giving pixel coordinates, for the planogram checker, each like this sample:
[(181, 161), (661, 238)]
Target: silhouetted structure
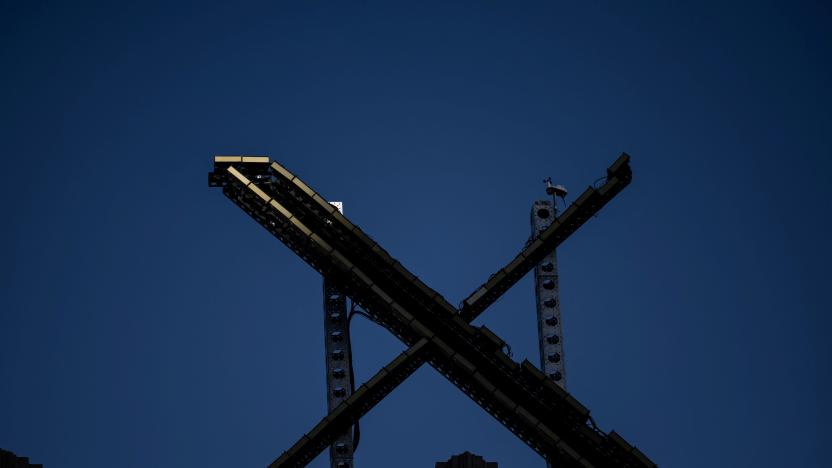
[(520, 396), (338, 359), (466, 460), (10, 460), (339, 379), (547, 293)]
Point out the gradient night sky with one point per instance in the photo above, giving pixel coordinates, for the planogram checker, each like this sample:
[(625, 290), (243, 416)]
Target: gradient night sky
[(146, 321)]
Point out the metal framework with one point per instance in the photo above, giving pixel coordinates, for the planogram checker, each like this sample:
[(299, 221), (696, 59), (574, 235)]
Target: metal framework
[(547, 293), (338, 364), (338, 355), (533, 407)]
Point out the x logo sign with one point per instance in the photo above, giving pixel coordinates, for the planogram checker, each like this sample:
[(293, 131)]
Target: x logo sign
[(532, 406)]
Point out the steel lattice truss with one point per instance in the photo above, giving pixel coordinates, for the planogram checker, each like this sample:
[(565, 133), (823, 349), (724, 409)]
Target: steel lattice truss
[(534, 408)]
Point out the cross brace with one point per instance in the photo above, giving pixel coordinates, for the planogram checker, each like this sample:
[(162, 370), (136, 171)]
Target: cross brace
[(538, 411)]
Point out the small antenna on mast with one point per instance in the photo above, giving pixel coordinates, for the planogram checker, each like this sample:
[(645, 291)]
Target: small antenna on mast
[(555, 191)]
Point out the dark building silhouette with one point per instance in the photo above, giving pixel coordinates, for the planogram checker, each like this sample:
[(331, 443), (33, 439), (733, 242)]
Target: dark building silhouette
[(466, 460), (10, 460)]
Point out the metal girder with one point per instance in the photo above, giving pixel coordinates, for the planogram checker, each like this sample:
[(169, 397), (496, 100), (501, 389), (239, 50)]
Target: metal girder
[(354, 407), (547, 296), (338, 366), (585, 206), (539, 412)]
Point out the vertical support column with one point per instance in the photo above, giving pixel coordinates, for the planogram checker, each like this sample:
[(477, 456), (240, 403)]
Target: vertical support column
[(550, 331), (547, 293), (338, 368)]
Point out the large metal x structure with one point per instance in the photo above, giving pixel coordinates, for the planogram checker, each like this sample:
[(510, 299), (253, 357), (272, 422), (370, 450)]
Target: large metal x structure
[(520, 396)]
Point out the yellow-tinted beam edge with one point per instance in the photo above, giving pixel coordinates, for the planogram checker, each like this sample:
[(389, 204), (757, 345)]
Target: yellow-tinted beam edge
[(228, 159)]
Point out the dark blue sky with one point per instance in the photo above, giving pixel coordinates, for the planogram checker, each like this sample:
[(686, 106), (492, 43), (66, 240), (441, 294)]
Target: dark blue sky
[(147, 321)]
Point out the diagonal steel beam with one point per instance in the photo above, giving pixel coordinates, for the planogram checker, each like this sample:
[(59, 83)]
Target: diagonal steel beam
[(587, 205), (466, 356), (507, 400), (311, 444)]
